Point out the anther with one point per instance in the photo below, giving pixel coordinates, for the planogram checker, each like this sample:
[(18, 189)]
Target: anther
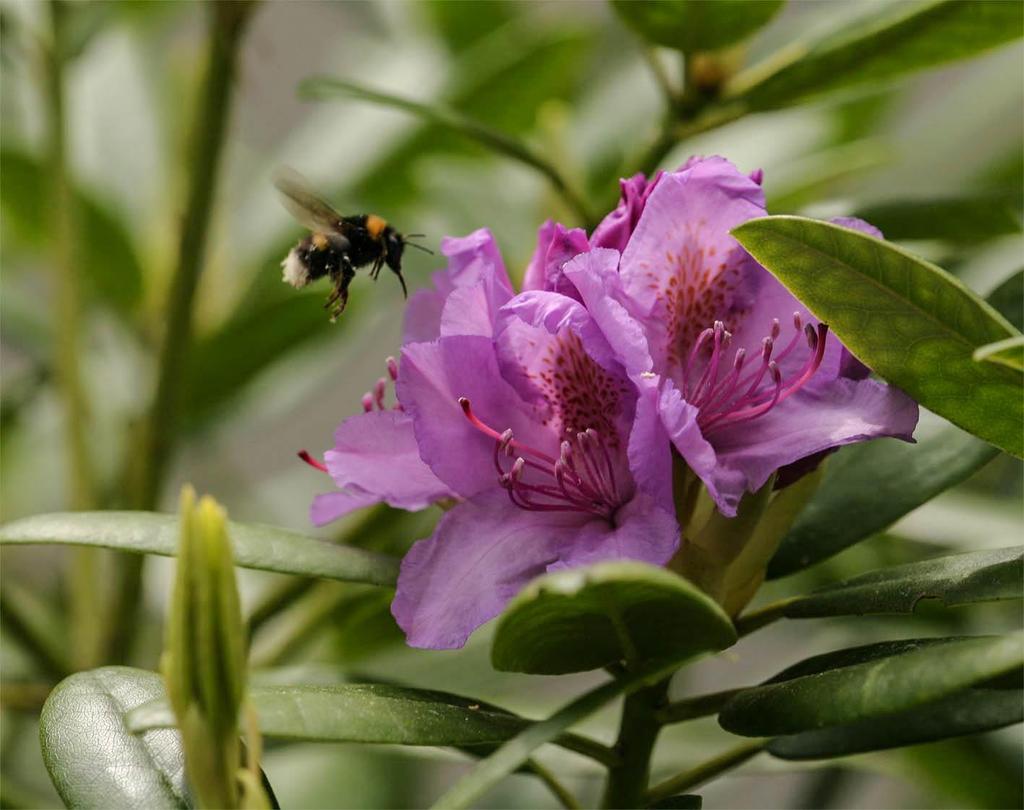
[(312, 462), (392, 365), (367, 402), (378, 392)]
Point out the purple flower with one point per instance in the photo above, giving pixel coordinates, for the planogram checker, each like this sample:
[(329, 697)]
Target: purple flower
[(747, 380), (516, 408), (541, 434)]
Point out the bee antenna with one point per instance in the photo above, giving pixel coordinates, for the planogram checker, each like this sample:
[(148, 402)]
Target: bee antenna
[(414, 235), (419, 247)]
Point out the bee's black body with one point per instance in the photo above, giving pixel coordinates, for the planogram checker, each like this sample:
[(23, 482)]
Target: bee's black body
[(337, 246)]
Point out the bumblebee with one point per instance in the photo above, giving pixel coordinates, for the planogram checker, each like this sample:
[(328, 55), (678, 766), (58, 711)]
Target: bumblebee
[(337, 246)]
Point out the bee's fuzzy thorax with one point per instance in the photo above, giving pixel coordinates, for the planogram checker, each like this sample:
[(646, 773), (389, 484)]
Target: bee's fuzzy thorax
[(295, 271)]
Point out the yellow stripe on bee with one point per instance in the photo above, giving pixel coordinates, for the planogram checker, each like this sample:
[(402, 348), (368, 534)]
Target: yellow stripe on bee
[(320, 241), (375, 225)]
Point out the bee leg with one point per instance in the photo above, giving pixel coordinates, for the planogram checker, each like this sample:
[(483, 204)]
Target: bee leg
[(340, 295), (401, 280)]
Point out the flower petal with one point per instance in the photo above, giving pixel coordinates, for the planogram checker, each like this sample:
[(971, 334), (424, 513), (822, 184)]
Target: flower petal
[(376, 453), (331, 506), (682, 270), (616, 228), (816, 418), (642, 531), (431, 379), (471, 259), (481, 554), (556, 244), (596, 276)]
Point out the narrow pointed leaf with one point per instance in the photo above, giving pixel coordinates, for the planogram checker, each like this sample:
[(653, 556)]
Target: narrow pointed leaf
[(967, 712), (849, 686), (961, 220), (1009, 352), (364, 713), (266, 548), (959, 579), (696, 25), (93, 760), (908, 320), (876, 48), (868, 487), (585, 618)]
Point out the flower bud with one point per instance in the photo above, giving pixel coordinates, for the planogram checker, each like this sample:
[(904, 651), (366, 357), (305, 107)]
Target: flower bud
[(204, 661)]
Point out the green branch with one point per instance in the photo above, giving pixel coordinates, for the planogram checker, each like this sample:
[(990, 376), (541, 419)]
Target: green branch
[(705, 772), (627, 782), (694, 707), (439, 115), (762, 616), (162, 428)]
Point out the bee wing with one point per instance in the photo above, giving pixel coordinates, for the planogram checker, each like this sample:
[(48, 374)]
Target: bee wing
[(307, 208)]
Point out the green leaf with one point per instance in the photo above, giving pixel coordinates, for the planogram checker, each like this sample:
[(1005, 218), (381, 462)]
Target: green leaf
[(363, 713), (852, 685), (93, 760), (880, 48), (959, 579), (1006, 299), (967, 712), (266, 548), (962, 220), (1009, 352), (106, 254), (376, 714), (868, 487), (585, 618), (516, 751), (696, 25), (908, 320)]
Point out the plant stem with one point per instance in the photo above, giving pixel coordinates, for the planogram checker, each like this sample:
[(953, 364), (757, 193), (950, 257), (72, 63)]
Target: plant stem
[(762, 616), (86, 607), (705, 771), (162, 428), (565, 798), (694, 707), (627, 781)]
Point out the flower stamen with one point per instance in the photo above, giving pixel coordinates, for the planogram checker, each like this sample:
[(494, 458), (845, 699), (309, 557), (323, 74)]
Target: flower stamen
[(581, 479)]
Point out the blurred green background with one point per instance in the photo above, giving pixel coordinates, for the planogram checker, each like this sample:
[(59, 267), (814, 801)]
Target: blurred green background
[(268, 375)]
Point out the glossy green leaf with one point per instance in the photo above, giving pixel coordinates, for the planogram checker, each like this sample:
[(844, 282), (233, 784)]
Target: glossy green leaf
[(880, 47), (959, 579), (910, 321), (966, 712), (1009, 352), (93, 760), (365, 713), (585, 618), (106, 254), (962, 220), (856, 684), (696, 25), (868, 487), (516, 751), (266, 548)]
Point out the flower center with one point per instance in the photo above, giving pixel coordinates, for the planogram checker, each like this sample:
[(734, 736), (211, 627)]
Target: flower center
[(737, 396), (581, 479)]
